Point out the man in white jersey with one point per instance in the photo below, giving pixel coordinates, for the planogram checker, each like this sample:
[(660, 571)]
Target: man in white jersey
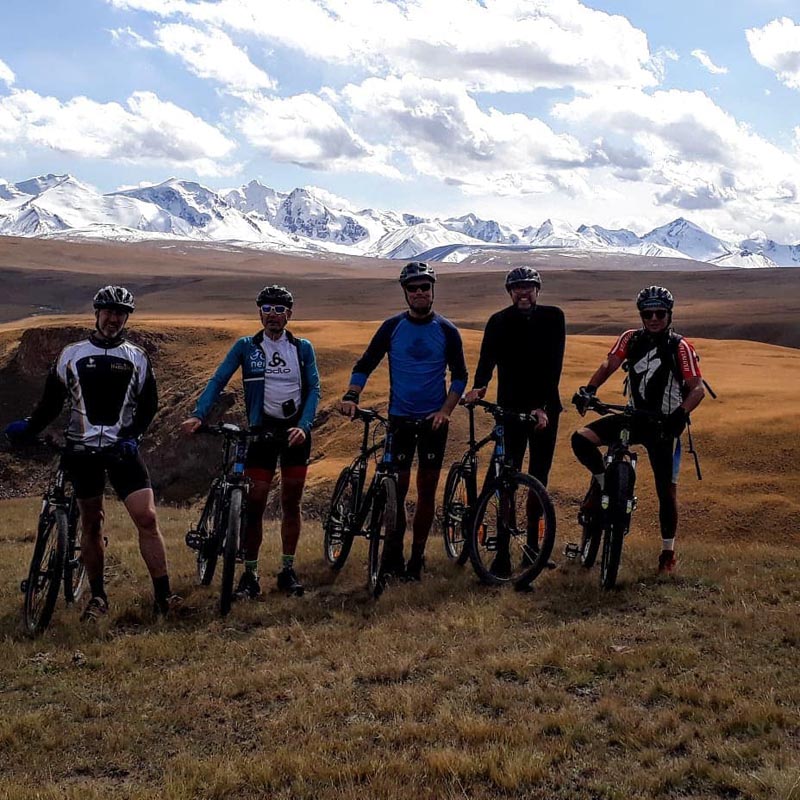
[(281, 388), (111, 391)]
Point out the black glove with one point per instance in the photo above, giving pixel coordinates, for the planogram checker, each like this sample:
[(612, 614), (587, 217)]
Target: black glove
[(675, 423), (583, 397)]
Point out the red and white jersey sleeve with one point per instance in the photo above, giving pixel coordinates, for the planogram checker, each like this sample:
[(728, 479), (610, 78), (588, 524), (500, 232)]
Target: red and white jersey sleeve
[(620, 348), (688, 361)]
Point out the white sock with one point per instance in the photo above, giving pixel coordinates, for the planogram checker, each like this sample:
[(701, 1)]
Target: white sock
[(668, 544)]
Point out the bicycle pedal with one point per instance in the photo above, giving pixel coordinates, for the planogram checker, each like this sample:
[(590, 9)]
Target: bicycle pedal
[(572, 550), (490, 543), (194, 540)]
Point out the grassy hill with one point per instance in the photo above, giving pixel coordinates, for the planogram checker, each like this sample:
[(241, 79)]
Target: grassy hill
[(678, 687)]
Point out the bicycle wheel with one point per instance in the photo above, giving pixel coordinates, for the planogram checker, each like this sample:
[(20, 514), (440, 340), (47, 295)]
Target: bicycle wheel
[(74, 569), (512, 531), (46, 570), (455, 507), (210, 530), (590, 542), (619, 489), (233, 525), (382, 528), (338, 531)]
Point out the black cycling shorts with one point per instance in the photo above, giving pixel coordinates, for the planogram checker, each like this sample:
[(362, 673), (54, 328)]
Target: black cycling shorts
[(411, 436), (663, 451), (264, 455), (87, 471)]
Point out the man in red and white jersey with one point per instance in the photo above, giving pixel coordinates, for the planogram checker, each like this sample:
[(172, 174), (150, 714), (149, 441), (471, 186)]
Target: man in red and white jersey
[(664, 377)]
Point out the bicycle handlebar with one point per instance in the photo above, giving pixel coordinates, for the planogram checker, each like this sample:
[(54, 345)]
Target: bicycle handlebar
[(498, 412), (228, 429), (599, 407)]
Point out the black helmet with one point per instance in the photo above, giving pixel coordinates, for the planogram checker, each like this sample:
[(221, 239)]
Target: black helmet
[(114, 297), (523, 275), (655, 297), (416, 269), (276, 295)]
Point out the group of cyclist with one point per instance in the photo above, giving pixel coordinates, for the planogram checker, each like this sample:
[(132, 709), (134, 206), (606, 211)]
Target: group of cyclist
[(109, 384)]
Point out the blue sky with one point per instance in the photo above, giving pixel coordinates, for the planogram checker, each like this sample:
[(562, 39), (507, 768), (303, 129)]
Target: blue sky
[(614, 112)]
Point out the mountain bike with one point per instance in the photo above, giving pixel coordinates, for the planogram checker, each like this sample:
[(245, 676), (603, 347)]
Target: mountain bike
[(219, 530), (56, 560), (610, 524), (372, 513), (508, 530)]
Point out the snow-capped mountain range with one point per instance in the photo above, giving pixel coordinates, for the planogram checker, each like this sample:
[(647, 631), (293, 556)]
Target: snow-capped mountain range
[(310, 220)]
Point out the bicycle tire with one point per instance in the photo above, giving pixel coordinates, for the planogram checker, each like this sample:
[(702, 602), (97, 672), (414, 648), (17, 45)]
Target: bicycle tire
[(209, 527), (46, 571), (619, 488), (382, 527), (74, 568), (500, 550), (233, 524), (455, 509), (337, 533), (590, 543)]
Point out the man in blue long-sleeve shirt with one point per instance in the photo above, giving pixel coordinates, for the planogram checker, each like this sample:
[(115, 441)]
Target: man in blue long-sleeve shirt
[(421, 346)]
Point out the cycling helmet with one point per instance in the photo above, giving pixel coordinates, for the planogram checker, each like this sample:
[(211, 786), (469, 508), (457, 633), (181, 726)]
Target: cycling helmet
[(523, 275), (655, 297), (114, 297), (278, 295), (417, 269)]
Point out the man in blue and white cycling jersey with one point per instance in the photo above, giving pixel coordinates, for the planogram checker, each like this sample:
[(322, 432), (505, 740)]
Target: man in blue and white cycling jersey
[(281, 393), (422, 345)]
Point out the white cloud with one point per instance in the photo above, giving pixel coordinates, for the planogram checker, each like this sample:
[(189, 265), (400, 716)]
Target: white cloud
[(443, 132), (129, 36), (493, 45), (6, 74), (700, 155), (148, 131), (777, 47), (307, 131), (705, 59), (211, 54)]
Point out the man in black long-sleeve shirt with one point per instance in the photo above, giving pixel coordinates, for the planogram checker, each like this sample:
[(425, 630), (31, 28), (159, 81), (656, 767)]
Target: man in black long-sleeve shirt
[(112, 394), (525, 341)]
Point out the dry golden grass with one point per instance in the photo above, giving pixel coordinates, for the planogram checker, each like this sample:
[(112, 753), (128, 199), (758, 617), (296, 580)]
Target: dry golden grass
[(680, 687)]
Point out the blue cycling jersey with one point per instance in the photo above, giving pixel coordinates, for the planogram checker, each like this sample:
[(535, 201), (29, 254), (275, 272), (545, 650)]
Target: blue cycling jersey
[(420, 352)]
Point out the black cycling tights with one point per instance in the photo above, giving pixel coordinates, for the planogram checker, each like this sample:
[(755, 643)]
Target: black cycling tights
[(587, 453)]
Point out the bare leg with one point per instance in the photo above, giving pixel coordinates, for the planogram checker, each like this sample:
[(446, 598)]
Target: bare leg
[(142, 509)]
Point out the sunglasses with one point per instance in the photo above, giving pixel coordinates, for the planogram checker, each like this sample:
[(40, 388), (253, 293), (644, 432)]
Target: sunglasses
[(267, 308), (659, 314), (418, 287)]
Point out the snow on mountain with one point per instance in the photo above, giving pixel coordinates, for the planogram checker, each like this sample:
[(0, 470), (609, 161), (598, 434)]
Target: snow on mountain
[(745, 258), (9, 192), (303, 214), (34, 186), (689, 239), (257, 197), (555, 233), (601, 236), (485, 230), (70, 204), (784, 255), (205, 212), (409, 242), (313, 220)]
